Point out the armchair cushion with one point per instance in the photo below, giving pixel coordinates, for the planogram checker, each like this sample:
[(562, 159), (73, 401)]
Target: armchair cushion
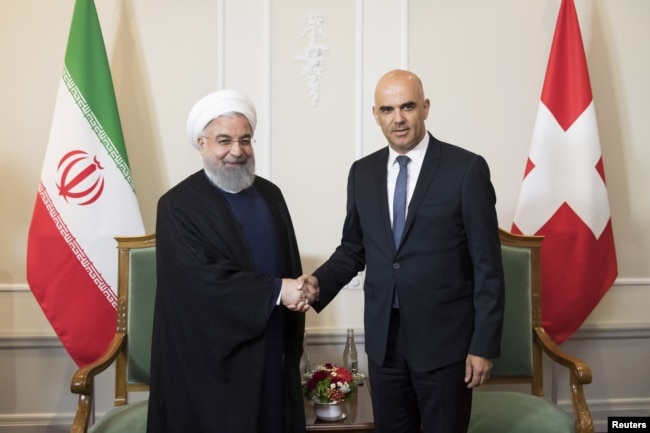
[(506, 412), (131, 418)]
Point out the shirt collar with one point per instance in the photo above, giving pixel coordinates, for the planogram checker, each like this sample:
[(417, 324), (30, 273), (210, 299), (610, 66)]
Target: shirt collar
[(416, 154)]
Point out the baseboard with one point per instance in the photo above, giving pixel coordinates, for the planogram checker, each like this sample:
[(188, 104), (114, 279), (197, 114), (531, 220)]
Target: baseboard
[(60, 423)]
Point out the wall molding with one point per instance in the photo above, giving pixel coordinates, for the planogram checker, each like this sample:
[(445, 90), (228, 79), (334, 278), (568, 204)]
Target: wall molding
[(11, 288), (358, 79), (29, 341), (317, 337), (620, 282), (612, 332), (325, 337), (405, 18), (51, 341), (334, 336)]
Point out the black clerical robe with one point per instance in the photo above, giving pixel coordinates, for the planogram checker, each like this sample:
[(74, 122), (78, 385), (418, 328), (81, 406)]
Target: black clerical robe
[(211, 315)]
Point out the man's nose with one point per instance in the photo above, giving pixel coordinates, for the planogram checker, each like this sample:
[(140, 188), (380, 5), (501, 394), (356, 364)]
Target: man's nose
[(235, 149)]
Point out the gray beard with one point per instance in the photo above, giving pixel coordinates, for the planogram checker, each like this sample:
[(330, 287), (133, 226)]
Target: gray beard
[(232, 180)]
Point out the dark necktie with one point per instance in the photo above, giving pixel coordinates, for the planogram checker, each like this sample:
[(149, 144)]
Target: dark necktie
[(399, 199)]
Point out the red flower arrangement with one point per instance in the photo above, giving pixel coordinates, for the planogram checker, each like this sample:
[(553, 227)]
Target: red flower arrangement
[(329, 384)]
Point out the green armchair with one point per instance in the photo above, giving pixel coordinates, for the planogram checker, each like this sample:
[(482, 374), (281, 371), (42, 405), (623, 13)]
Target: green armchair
[(131, 345), (523, 342)]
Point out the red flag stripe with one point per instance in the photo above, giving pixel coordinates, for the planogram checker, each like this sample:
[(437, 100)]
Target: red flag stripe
[(83, 319)]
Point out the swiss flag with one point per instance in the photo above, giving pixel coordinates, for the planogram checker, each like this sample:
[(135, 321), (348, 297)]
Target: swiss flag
[(563, 196)]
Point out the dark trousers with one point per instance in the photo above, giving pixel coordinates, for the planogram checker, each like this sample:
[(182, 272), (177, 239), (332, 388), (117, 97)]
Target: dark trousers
[(407, 401)]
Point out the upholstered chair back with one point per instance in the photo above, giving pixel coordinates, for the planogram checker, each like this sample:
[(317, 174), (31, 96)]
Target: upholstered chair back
[(495, 407), (517, 339), (140, 306)]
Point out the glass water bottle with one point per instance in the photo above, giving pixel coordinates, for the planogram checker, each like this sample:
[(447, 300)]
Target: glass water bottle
[(350, 357), (305, 364)]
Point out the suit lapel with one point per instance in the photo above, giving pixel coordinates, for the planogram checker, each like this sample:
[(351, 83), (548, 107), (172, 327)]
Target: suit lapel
[(378, 181), (430, 165)]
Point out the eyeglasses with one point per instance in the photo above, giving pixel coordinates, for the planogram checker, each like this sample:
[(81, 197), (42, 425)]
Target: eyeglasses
[(228, 141)]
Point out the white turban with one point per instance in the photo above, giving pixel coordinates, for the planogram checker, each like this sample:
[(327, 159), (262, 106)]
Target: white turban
[(214, 105)]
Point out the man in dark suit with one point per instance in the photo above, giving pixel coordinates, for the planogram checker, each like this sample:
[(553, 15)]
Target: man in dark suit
[(428, 239)]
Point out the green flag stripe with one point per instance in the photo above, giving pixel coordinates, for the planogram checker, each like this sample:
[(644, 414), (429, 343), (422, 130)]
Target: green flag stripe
[(121, 164), (87, 64)]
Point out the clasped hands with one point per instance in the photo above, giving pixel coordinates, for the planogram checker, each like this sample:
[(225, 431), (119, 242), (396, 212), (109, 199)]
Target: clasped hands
[(297, 294)]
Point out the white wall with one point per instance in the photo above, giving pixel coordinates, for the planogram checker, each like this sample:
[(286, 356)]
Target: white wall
[(482, 63)]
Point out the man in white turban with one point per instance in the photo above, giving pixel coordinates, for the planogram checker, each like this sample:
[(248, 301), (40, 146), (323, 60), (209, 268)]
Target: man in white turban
[(231, 168), (229, 315)]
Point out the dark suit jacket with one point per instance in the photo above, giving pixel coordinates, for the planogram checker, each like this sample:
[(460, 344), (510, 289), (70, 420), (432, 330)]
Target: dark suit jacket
[(447, 270)]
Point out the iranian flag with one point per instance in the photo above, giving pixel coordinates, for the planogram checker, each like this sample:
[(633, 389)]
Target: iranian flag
[(85, 198), (563, 196)]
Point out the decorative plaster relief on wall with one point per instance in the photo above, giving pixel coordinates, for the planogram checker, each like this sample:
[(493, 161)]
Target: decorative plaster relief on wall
[(313, 56)]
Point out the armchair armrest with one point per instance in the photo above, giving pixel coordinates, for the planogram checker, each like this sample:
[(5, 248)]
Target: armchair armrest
[(84, 379), (579, 375)]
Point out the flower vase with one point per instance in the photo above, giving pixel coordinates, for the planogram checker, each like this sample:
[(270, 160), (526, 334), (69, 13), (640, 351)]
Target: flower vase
[(329, 411)]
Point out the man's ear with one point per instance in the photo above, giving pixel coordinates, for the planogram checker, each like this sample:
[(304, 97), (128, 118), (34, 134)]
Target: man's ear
[(374, 114)]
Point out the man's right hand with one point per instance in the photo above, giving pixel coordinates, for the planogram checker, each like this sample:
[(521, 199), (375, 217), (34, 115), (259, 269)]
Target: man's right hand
[(292, 295)]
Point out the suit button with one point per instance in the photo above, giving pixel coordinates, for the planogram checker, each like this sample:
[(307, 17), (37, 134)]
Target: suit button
[(396, 266)]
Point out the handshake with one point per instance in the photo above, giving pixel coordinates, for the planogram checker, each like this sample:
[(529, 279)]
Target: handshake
[(297, 294)]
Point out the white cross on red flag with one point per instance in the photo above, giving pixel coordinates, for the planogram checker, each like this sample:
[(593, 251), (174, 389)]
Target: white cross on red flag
[(563, 195)]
